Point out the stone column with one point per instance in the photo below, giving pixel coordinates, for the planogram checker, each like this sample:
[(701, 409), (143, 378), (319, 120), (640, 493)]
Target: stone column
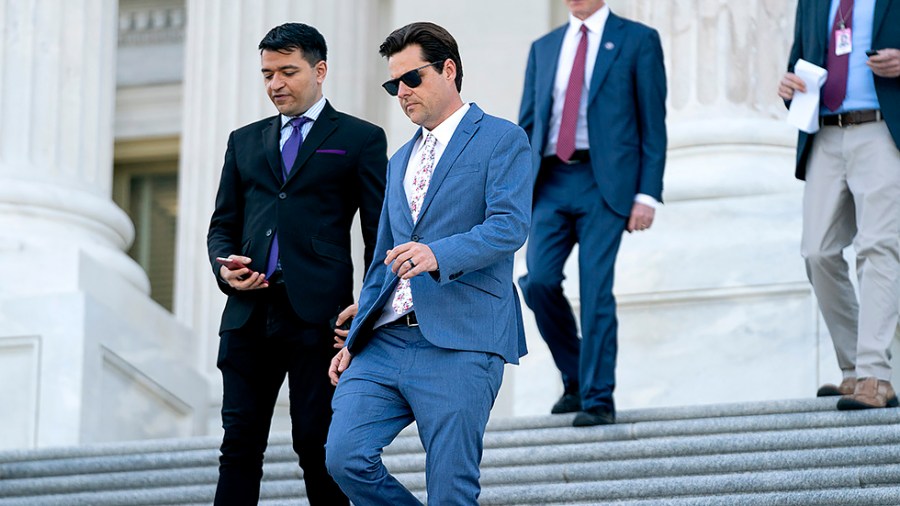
[(223, 90), (723, 62), (56, 100), (75, 364)]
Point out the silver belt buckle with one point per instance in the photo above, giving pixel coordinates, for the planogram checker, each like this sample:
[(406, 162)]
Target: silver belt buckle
[(410, 323)]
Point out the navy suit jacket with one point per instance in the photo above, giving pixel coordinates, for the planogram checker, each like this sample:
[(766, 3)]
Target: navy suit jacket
[(626, 109), (339, 170), (811, 44), (474, 217)]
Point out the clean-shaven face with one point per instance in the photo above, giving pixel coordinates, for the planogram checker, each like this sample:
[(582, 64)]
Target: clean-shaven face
[(582, 9), (292, 83)]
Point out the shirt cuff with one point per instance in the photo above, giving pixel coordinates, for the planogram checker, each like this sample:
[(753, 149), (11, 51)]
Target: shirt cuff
[(647, 200)]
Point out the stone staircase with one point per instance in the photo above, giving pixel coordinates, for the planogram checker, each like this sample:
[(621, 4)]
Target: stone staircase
[(799, 452)]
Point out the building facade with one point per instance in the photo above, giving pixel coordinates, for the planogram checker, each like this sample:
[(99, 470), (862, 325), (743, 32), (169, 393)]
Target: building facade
[(113, 121)]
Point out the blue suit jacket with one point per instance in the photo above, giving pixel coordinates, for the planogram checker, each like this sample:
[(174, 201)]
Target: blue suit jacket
[(811, 44), (626, 109), (475, 215)]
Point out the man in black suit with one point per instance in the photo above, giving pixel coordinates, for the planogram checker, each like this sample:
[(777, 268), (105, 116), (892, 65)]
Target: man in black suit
[(852, 192), (289, 190)]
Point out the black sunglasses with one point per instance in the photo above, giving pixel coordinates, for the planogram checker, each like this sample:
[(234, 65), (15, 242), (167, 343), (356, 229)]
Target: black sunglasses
[(411, 79)]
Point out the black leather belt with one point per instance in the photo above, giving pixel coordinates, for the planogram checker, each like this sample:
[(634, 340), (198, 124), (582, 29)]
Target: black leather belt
[(580, 156), (407, 320), (851, 118)]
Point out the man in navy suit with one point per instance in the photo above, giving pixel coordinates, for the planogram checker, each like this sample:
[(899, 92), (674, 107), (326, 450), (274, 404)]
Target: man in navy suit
[(594, 109), (852, 194), (438, 313), (290, 187)]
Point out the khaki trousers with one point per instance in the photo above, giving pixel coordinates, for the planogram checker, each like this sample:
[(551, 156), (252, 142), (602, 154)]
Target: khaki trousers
[(852, 196)]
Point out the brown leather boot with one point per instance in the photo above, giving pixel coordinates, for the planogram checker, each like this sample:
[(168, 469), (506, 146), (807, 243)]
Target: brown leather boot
[(846, 387), (869, 393)]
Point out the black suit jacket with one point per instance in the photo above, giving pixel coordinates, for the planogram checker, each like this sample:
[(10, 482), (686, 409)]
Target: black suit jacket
[(811, 44), (340, 168)]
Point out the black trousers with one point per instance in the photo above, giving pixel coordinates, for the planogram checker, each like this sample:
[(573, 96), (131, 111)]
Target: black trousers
[(254, 361)]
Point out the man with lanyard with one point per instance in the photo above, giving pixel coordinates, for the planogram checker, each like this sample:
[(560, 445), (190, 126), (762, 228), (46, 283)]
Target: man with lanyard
[(852, 193)]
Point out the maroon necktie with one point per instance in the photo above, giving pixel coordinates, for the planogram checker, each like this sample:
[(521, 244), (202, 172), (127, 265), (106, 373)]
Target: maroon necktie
[(565, 143), (835, 88)]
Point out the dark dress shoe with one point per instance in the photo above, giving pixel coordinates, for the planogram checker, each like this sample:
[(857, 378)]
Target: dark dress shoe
[(600, 415), (568, 403)]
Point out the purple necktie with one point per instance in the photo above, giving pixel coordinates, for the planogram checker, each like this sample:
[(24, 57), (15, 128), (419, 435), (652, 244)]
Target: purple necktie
[(835, 88), (288, 157), (565, 143)]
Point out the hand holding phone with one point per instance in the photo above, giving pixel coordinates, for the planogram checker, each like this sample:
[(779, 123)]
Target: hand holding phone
[(231, 264), (871, 52), (341, 331), (254, 279), (346, 325), (343, 326)]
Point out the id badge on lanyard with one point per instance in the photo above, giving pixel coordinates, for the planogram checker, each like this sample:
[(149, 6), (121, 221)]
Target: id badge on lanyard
[(843, 41)]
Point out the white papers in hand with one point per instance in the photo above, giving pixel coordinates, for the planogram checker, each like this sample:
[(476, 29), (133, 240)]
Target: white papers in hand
[(804, 112)]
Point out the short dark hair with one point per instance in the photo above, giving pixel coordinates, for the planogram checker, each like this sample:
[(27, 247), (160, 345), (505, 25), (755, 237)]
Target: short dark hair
[(292, 36), (437, 45)]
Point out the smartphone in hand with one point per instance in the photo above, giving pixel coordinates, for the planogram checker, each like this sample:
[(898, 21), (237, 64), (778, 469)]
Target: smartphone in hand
[(232, 265), (344, 326)]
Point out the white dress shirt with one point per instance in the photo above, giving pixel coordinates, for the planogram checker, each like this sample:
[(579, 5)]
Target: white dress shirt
[(595, 24), (312, 113), (442, 135)]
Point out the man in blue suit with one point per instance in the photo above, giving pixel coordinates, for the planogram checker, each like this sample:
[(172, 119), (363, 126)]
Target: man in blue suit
[(852, 193), (438, 312), (594, 109)]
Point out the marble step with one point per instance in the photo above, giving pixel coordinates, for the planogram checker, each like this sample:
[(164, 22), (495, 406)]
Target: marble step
[(791, 452)]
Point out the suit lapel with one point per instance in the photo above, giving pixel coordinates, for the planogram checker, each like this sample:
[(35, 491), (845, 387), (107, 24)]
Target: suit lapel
[(606, 53), (271, 135), (324, 125), (461, 137), (822, 31), (398, 189), (548, 51), (881, 7)]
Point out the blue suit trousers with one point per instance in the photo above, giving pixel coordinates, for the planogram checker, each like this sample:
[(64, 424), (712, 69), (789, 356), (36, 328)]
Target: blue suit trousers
[(400, 377), (569, 209)]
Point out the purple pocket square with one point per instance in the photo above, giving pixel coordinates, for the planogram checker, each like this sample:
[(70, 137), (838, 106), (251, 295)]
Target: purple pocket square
[(331, 151)]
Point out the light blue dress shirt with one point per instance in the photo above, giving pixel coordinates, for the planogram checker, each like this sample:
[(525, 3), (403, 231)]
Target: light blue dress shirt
[(860, 82)]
